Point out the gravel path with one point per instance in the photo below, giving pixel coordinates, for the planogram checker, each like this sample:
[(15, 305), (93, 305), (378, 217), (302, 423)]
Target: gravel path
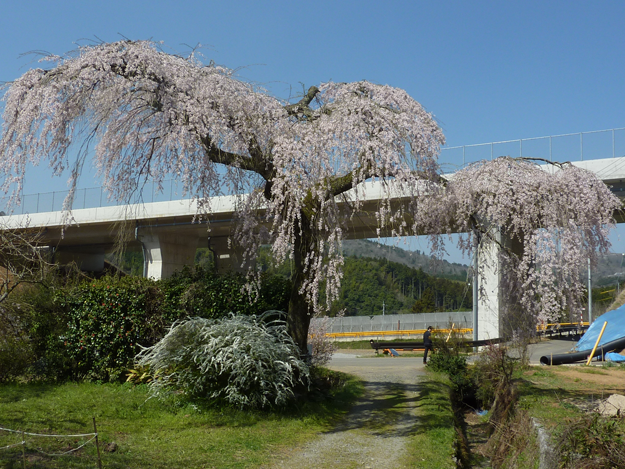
[(377, 429)]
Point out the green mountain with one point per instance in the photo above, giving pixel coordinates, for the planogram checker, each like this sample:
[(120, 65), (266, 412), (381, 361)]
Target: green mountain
[(414, 259), (377, 278), (371, 285)]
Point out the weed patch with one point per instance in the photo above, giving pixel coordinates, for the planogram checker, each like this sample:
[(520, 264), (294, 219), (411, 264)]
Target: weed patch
[(592, 442)]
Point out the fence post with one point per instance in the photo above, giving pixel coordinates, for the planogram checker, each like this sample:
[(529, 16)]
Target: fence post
[(23, 450), (97, 444)]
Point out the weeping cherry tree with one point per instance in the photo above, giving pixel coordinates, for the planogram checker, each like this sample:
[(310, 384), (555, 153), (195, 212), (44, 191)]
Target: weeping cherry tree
[(293, 164), (544, 221)]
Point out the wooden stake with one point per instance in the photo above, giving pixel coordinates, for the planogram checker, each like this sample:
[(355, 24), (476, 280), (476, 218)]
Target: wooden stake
[(23, 450), (97, 444), (452, 329)]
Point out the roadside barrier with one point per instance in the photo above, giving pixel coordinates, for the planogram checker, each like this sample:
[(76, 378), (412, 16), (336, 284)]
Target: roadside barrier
[(94, 437), (415, 332), (545, 329)]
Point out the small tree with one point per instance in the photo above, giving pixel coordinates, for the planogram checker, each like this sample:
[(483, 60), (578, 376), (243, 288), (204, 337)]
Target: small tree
[(22, 262)]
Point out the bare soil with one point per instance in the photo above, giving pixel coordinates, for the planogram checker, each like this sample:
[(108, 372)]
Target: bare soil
[(593, 378)]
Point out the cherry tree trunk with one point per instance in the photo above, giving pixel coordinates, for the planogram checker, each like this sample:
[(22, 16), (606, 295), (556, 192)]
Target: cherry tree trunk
[(298, 318)]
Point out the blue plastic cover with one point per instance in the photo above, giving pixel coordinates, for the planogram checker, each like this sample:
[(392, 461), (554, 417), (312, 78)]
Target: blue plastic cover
[(613, 331), (614, 357)]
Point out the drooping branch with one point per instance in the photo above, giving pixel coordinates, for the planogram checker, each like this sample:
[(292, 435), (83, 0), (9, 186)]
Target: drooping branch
[(153, 114)]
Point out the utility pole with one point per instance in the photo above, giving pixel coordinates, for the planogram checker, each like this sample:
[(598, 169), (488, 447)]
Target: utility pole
[(476, 244), (589, 294), (382, 307)]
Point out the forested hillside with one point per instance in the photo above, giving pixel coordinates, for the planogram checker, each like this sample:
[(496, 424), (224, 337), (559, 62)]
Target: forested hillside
[(369, 283), (415, 259), (373, 284)]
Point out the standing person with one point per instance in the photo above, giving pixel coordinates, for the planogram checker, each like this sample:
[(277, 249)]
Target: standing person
[(427, 343)]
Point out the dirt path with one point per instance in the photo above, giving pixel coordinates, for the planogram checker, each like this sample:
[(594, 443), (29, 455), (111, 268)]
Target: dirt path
[(377, 429)]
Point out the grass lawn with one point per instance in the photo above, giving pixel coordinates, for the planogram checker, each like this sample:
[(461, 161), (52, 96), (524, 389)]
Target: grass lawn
[(149, 433), (556, 393), (433, 443)]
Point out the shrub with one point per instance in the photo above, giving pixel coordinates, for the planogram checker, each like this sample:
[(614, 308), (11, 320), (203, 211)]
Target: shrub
[(107, 321), (15, 349), (451, 359), (247, 361), (197, 292), (494, 370), (448, 362), (67, 327), (592, 442), (323, 347), (37, 324)]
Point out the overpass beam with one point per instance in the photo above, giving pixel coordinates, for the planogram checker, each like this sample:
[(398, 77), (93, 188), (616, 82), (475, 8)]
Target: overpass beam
[(166, 253)]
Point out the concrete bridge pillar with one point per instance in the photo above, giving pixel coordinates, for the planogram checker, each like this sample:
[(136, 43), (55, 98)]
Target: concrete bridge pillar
[(495, 305), (489, 296), (166, 253)]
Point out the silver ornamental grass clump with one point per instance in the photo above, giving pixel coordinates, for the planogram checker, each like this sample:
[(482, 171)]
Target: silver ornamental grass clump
[(249, 361)]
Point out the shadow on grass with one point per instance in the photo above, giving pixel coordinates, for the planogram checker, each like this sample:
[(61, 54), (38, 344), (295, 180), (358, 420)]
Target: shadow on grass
[(151, 433), (15, 392)]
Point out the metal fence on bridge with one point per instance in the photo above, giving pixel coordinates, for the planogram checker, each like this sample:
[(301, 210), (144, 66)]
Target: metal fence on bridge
[(609, 143), (580, 146)]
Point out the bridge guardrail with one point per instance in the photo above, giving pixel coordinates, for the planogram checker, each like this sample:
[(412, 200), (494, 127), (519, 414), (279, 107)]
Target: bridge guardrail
[(580, 146)]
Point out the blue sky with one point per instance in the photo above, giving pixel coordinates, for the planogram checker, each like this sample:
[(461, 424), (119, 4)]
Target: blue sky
[(489, 71)]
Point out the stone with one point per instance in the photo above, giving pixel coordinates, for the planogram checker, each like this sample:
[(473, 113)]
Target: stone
[(613, 405)]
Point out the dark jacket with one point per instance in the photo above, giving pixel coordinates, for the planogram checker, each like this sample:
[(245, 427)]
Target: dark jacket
[(427, 342)]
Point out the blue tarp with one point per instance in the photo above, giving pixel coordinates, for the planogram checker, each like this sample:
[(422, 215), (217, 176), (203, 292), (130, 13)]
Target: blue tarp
[(614, 357), (613, 331)]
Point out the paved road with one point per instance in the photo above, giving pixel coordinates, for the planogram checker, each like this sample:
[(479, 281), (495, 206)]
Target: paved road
[(344, 358), (549, 347)]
